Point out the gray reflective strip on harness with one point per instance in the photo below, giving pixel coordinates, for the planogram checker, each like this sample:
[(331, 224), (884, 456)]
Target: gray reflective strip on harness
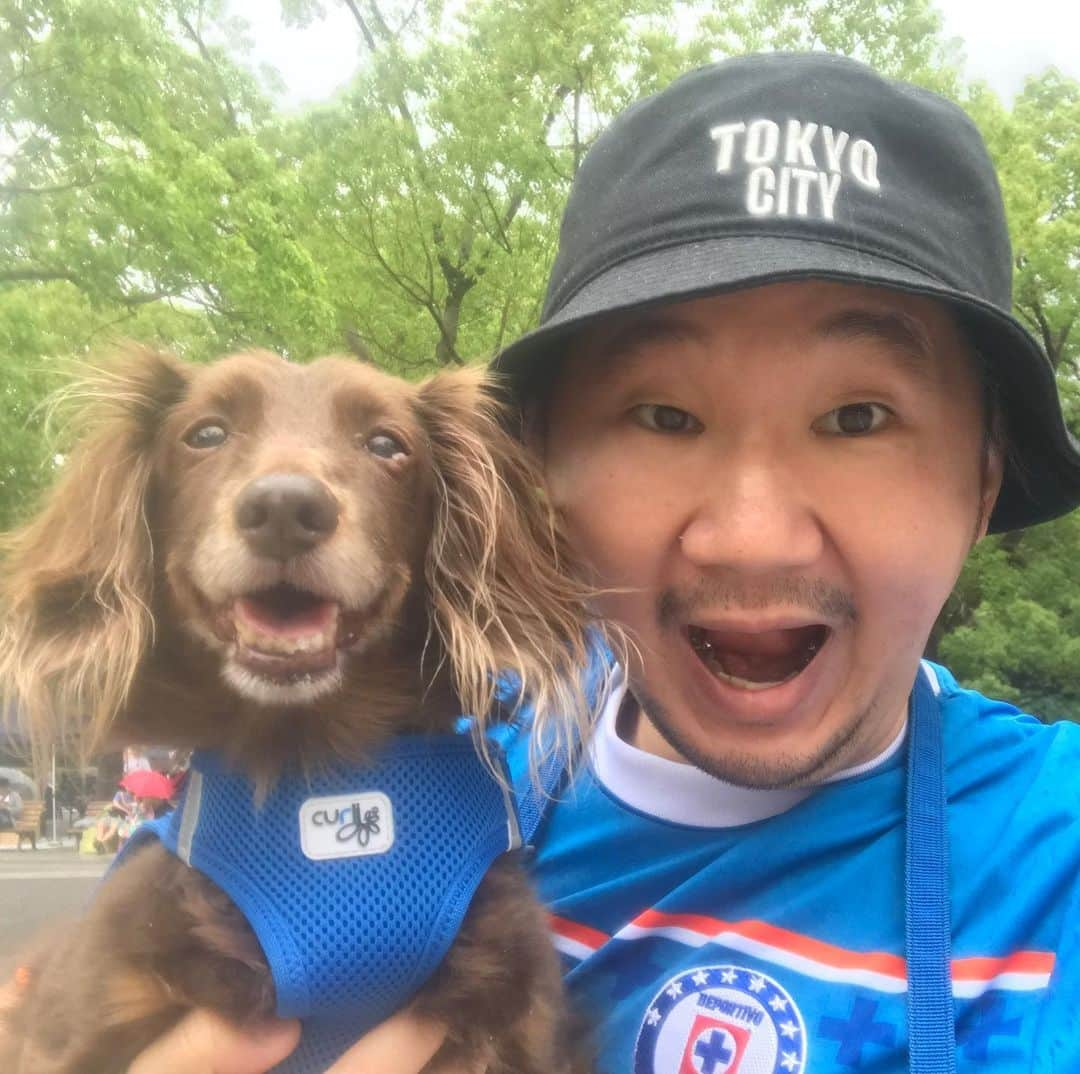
[(533, 797), (191, 806)]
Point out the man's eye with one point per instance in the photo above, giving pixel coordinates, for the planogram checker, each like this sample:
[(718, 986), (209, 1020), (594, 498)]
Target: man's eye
[(666, 419), (855, 419)]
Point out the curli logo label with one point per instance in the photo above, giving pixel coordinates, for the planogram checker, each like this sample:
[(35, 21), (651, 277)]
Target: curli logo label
[(795, 167), (347, 826)]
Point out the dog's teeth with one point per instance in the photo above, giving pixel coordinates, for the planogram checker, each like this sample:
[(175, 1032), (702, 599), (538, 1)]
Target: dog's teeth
[(282, 644), (315, 643)]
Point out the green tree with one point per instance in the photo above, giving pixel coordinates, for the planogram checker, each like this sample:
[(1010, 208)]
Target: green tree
[(133, 168), (1036, 147), (1012, 628), (1014, 620), (140, 195), (440, 177)]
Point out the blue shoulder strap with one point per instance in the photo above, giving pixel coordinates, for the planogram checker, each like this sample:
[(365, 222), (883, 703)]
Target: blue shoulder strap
[(931, 1015)]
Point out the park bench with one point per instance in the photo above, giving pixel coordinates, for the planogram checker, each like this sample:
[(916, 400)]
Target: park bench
[(29, 823)]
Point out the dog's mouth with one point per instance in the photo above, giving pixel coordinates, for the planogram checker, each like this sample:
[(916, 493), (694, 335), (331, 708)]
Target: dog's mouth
[(283, 633), (757, 661)]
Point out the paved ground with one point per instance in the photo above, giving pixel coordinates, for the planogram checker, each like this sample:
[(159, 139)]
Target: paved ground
[(38, 887)]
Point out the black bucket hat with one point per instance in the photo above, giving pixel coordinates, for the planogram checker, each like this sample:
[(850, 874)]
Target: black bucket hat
[(786, 166)]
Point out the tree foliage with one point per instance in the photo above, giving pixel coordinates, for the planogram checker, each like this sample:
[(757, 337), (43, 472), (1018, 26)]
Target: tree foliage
[(1036, 146), (150, 187), (1013, 624)]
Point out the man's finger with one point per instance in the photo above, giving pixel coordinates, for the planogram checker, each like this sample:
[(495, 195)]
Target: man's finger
[(403, 1044), (204, 1043)]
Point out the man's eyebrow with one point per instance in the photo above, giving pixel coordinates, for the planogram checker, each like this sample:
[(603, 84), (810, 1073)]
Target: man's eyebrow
[(898, 330), (634, 337)]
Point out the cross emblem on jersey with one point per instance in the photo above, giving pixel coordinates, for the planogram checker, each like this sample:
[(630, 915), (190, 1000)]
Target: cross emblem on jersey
[(985, 1019), (712, 1049), (857, 1031), (722, 1019)]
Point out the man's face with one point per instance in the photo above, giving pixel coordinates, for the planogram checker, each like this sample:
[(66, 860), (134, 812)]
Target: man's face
[(778, 488)]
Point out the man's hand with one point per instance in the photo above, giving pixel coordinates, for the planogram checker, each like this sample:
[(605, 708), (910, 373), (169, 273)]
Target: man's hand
[(203, 1043), (403, 1044)]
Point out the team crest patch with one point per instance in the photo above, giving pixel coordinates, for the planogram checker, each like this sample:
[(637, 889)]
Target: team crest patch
[(721, 1020)]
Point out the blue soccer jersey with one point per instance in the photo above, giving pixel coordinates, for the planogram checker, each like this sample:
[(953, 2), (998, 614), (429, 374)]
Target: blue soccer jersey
[(770, 939)]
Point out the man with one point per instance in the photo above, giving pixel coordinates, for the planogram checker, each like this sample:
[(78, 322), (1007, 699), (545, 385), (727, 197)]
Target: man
[(779, 396), (11, 804)]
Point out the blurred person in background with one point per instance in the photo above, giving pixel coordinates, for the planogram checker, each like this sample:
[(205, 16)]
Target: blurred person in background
[(11, 804)]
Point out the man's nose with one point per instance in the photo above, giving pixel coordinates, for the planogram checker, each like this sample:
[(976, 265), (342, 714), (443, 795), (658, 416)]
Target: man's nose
[(754, 516)]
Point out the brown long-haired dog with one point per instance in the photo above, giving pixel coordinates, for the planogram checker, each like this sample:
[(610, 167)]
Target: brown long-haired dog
[(284, 564)]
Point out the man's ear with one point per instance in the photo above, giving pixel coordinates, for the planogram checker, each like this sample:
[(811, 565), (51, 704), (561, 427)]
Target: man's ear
[(993, 472)]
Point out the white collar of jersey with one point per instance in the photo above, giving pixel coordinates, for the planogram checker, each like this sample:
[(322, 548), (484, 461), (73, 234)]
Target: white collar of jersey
[(678, 792)]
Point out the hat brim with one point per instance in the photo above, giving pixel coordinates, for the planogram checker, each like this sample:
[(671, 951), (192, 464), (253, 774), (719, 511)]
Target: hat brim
[(1042, 470)]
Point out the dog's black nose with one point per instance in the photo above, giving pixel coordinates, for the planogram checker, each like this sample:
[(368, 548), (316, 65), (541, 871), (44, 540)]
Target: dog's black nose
[(282, 515)]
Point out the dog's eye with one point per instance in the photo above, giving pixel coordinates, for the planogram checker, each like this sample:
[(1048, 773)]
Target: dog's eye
[(385, 446), (208, 435)]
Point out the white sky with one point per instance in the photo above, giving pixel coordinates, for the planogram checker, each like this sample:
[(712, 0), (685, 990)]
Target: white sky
[(1007, 40), (1004, 41)]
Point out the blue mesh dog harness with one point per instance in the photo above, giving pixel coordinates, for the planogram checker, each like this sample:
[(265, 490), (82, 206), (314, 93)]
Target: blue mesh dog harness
[(355, 880)]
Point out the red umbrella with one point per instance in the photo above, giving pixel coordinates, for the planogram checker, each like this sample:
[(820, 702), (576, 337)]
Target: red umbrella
[(146, 784)]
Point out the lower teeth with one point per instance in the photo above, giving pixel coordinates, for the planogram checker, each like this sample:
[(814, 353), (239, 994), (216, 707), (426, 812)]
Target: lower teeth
[(747, 684), (743, 684), (707, 654)]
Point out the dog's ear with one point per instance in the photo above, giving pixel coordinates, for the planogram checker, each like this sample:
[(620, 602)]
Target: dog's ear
[(76, 583), (501, 579)]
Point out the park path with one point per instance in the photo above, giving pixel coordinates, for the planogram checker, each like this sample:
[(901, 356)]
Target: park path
[(39, 888)]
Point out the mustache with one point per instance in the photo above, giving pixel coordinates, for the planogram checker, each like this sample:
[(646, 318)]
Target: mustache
[(831, 603)]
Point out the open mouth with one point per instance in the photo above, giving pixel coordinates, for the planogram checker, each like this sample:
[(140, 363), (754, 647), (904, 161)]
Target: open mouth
[(287, 634), (757, 661)]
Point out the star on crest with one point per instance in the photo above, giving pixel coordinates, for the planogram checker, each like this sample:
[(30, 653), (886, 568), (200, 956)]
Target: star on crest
[(789, 1029), (701, 978), (778, 1003), (652, 1016), (674, 989), (757, 982), (790, 1061), (728, 976)]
